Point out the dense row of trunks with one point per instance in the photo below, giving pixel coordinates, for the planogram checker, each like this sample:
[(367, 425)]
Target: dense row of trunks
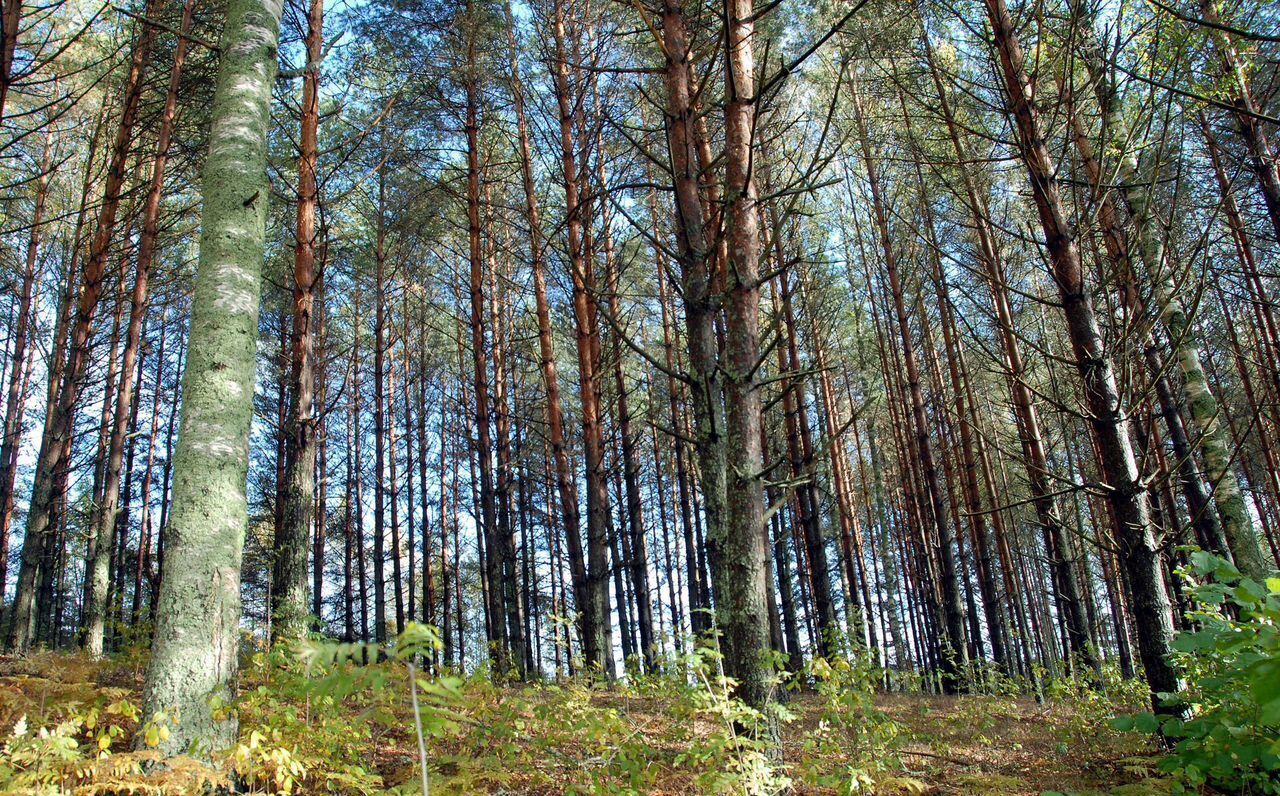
[(839, 387)]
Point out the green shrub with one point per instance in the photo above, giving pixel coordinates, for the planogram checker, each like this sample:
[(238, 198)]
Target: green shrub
[(1228, 733)]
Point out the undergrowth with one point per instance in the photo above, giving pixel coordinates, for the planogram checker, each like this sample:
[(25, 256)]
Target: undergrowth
[(359, 719), (1224, 725)]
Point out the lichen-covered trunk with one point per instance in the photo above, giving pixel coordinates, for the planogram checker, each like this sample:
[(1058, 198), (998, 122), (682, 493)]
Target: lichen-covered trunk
[(1206, 521), (1135, 533), (193, 660), (1202, 405)]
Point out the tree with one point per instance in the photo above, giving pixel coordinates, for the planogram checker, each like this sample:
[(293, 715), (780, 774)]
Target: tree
[(1134, 530), (55, 443), (289, 576), (106, 514), (194, 653), (739, 568)]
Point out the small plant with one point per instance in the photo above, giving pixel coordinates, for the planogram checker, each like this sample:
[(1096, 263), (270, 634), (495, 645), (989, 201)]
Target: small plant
[(854, 743), (335, 670), (1229, 734), (739, 752), (37, 760)]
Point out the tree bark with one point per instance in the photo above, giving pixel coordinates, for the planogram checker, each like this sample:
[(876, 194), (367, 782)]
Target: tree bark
[(696, 250), (58, 424), (289, 588), (194, 654), (1125, 492), (739, 566)]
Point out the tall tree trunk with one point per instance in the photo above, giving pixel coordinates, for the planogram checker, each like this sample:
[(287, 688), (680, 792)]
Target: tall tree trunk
[(739, 566), (1261, 159), (348, 509), (679, 450), (357, 450), (480, 358), (1264, 307), (290, 609), (428, 573), (1126, 494), (58, 424), (11, 15), (696, 243), (393, 490), (566, 485), (380, 418), (1028, 418), (196, 644), (803, 497), (120, 533), (968, 464), (166, 475), (105, 513), (851, 539), (505, 550), (954, 652), (19, 365), (638, 560), (896, 631), (1202, 405), (142, 573), (596, 649), (410, 433), (322, 455), (1206, 521)]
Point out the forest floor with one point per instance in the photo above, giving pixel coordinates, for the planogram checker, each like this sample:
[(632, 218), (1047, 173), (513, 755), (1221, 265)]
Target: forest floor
[(358, 737)]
